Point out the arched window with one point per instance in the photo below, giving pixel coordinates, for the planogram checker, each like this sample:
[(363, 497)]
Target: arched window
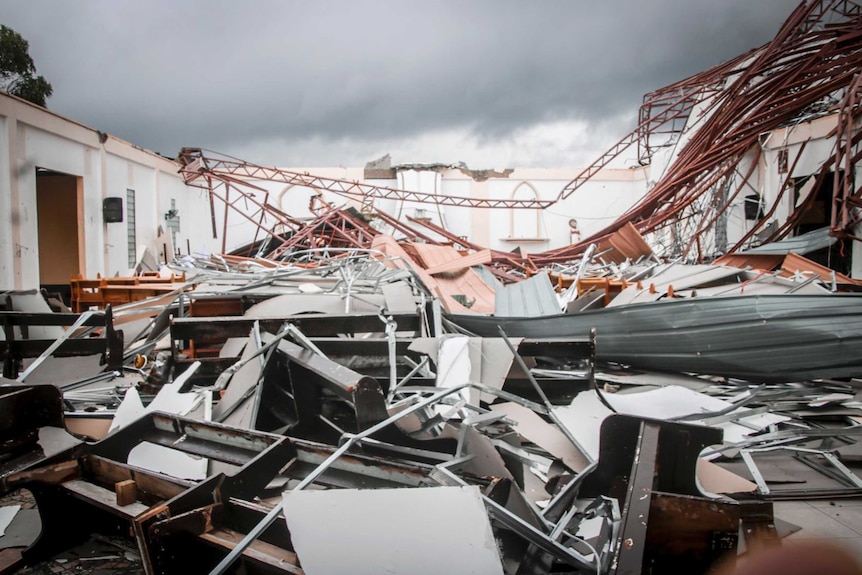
[(525, 223)]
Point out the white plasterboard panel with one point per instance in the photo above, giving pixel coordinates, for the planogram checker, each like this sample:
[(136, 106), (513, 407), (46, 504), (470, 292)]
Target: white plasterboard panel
[(583, 418), (417, 531), (535, 429), (130, 409), (168, 461), (453, 364), (170, 399), (653, 378), (675, 401), (233, 347), (240, 382), (24, 530), (7, 514), (310, 288), (203, 410), (425, 345), (666, 402), (495, 363), (54, 440), (241, 415), (291, 304), (399, 297), (65, 370)]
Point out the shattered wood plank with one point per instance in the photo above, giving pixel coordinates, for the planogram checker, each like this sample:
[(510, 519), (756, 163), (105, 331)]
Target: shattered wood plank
[(259, 551)]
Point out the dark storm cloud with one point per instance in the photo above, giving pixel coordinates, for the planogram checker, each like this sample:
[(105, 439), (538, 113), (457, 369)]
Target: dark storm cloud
[(226, 74)]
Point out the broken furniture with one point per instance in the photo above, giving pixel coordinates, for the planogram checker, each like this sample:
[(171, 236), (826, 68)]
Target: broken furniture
[(18, 345)]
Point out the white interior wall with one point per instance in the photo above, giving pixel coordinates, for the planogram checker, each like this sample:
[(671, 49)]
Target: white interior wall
[(32, 137)]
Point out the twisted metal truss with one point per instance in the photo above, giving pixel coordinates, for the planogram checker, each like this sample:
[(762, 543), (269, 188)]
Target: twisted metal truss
[(811, 66)]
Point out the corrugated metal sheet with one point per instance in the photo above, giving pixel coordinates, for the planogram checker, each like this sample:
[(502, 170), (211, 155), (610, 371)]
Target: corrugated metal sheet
[(625, 243), (753, 261), (462, 262), (469, 285), (680, 277), (802, 244), (768, 338), (794, 263), (533, 297)]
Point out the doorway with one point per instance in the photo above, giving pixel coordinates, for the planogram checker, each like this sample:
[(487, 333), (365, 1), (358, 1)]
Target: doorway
[(58, 208)]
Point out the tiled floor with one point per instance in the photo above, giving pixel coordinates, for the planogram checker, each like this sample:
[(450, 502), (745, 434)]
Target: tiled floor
[(839, 522)]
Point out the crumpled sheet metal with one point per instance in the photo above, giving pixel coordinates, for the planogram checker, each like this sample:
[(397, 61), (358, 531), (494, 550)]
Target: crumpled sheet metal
[(770, 338)]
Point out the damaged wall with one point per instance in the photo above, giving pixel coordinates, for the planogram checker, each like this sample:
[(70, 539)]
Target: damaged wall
[(34, 143), (607, 195)]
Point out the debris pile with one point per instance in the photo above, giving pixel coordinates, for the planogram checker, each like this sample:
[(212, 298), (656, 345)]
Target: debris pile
[(354, 392), (269, 404)]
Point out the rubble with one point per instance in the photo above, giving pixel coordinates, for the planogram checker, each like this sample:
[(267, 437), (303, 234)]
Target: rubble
[(342, 371), (354, 392)]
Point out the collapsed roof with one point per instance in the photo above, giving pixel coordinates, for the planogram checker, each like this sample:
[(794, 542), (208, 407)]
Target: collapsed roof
[(712, 122)]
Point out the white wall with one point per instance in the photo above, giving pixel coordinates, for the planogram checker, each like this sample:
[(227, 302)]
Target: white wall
[(32, 137)]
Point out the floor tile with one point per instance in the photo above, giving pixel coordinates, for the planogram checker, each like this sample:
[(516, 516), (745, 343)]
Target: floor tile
[(815, 524), (851, 516)]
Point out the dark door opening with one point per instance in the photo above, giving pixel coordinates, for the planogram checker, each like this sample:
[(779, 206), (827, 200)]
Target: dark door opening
[(818, 216), (58, 209)]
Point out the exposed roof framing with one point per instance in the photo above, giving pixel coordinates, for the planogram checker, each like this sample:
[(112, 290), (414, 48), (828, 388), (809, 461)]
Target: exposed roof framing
[(205, 171), (811, 67), (812, 63)]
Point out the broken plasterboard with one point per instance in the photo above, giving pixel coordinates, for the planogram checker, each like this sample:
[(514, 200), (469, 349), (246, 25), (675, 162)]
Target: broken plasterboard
[(7, 514), (674, 401), (460, 359), (535, 429), (159, 458), (583, 418), (415, 531)]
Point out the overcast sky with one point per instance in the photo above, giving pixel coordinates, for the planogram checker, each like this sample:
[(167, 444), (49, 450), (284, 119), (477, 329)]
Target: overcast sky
[(493, 83)]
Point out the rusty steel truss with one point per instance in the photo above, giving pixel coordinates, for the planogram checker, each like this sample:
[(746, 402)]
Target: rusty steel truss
[(810, 69)]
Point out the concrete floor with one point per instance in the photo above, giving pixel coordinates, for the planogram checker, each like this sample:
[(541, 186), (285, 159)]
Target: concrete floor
[(837, 521)]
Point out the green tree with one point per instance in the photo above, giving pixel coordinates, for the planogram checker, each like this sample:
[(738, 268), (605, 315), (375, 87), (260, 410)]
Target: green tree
[(17, 70)]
